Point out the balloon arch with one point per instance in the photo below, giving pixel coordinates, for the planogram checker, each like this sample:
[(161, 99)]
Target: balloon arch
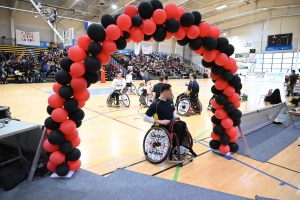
[(147, 21)]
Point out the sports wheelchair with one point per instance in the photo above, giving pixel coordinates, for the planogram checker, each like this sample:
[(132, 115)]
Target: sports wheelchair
[(146, 99), (133, 89), (157, 146), (112, 101), (186, 105), (290, 88)]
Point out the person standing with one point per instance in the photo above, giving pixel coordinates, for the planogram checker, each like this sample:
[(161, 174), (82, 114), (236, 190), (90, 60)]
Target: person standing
[(293, 81), (103, 74)]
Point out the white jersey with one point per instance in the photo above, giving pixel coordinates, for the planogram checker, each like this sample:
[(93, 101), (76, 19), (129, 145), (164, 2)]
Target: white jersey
[(128, 78), (118, 84)]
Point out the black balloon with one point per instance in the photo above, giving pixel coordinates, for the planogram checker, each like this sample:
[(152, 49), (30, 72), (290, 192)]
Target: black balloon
[(222, 43), (96, 32), (63, 77), (214, 144), (116, 16), (94, 48), (197, 17), (217, 70), (221, 99), (92, 64), (147, 37), (234, 147), (91, 77), (172, 25), (187, 19), (195, 44), (66, 147), (236, 122), (66, 92), (71, 105), (62, 169), (229, 107), (145, 10), (235, 115), (227, 75), (88, 85), (77, 116), (107, 20), (209, 43), (51, 124), (56, 137), (238, 92), (136, 21), (66, 63), (213, 110), (215, 91), (49, 109), (121, 43), (156, 4), (160, 33), (239, 87), (78, 124), (73, 155), (215, 120), (218, 129), (126, 35), (224, 139), (207, 64), (235, 81), (229, 50), (184, 41)]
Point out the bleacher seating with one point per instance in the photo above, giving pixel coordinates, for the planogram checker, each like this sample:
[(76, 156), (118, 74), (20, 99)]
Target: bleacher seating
[(20, 49)]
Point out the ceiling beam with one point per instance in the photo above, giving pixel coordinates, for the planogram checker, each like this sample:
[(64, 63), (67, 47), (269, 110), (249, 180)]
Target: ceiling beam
[(121, 4), (14, 4)]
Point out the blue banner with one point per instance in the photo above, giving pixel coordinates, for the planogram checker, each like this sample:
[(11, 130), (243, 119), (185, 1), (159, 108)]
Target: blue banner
[(124, 51), (43, 44), (277, 48)]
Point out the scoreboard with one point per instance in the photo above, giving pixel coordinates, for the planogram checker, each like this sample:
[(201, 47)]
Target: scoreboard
[(280, 39)]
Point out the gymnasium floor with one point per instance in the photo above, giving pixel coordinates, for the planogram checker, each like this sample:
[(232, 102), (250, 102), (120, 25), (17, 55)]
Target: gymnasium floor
[(112, 138)]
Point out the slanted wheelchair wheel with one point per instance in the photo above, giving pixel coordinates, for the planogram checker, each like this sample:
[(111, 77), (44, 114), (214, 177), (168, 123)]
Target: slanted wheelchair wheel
[(183, 106), (199, 106), (140, 90), (149, 100), (157, 145), (125, 100), (109, 101), (134, 90)]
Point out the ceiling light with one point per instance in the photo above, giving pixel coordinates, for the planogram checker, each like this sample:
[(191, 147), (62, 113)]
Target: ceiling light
[(114, 6), (36, 16), (221, 7), (224, 33)]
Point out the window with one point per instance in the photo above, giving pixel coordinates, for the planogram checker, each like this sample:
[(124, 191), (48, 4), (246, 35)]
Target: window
[(267, 61), (277, 60), (267, 67), (287, 60), (295, 60), (276, 70), (277, 55), (268, 55), (288, 55), (276, 66), (286, 66), (258, 68)]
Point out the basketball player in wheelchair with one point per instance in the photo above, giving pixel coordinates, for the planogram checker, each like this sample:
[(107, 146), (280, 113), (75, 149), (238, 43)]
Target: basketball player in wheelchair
[(169, 135), (118, 86), (146, 97)]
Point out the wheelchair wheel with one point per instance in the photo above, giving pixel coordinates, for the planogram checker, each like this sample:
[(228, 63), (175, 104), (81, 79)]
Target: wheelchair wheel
[(183, 106), (134, 90), (140, 91), (157, 145), (125, 100), (109, 101), (149, 100)]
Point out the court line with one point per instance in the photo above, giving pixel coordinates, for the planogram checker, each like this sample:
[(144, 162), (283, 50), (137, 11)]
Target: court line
[(176, 173), (282, 183), (198, 136)]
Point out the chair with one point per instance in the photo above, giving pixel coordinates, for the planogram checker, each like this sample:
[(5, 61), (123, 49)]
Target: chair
[(264, 96)]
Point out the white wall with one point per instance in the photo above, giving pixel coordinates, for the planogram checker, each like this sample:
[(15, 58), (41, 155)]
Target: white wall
[(5, 23)]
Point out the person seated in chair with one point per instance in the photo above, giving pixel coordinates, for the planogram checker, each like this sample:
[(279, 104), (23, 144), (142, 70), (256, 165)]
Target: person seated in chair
[(274, 98), (192, 90), (118, 86), (161, 112)]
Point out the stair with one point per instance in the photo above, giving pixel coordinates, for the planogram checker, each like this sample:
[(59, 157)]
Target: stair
[(33, 54)]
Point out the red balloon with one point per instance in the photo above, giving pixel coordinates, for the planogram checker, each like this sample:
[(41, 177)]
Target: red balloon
[(232, 132), (214, 77), (230, 64), (205, 29), (136, 34), (180, 12), (209, 56), (128, 40), (227, 123), (229, 91), (48, 131), (234, 98), (124, 22), (237, 104), (169, 35), (82, 95), (113, 32), (51, 167), (59, 115), (84, 41), (50, 147), (193, 32), (76, 142), (171, 10), (130, 10), (68, 127), (200, 51), (81, 104), (77, 69), (78, 84), (74, 165), (214, 136), (77, 54), (215, 105), (148, 27), (234, 139), (56, 86), (224, 149), (72, 136), (159, 16), (109, 46), (221, 59), (57, 157), (220, 84), (104, 58), (215, 32), (221, 114), (180, 34), (55, 101), (234, 68)]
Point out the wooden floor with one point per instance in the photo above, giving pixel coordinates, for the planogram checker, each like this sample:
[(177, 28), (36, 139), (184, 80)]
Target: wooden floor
[(112, 138)]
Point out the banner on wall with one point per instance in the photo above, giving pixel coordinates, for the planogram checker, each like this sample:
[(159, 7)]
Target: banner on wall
[(146, 50), (27, 38), (244, 43), (274, 76), (137, 48)]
